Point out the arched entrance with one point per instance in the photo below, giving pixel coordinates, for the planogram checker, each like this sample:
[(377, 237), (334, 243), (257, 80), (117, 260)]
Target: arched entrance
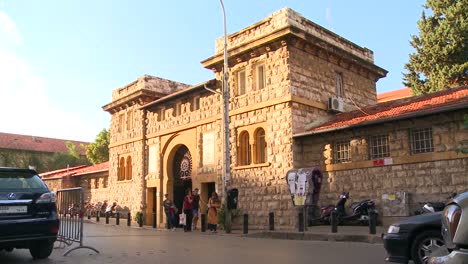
[(182, 172)]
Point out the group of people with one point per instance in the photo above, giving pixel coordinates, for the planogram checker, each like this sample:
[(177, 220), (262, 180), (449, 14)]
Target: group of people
[(191, 209)]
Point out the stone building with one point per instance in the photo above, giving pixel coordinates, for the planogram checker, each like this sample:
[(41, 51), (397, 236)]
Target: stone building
[(25, 151), (284, 72), (398, 153), (93, 179)]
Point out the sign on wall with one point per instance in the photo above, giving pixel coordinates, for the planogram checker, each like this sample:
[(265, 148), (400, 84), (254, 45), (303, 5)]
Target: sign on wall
[(208, 149), (152, 159)]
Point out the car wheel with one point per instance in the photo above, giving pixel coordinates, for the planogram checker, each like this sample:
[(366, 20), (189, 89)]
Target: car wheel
[(428, 244), (41, 249)]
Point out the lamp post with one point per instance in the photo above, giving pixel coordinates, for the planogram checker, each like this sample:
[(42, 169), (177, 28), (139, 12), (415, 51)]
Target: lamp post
[(226, 147)]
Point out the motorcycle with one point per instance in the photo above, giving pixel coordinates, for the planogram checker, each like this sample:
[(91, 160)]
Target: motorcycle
[(431, 207), (359, 211)]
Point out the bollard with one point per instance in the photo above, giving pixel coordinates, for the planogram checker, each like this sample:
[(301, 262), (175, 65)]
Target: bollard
[(203, 222), (246, 223), (334, 221), (107, 218), (372, 222), (140, 221), (300, 217), (117, 218), (271, 221), (129, 219), (154, 219), (97, 217)]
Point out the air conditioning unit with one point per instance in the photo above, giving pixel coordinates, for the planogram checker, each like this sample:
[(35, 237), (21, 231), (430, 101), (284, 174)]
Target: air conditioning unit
[(335, 104)]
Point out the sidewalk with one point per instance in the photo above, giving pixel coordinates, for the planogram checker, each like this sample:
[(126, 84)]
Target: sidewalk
[(318, 233)]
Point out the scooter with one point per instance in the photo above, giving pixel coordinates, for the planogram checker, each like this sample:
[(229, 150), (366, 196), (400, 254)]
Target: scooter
[(431, 207), (359, 214)]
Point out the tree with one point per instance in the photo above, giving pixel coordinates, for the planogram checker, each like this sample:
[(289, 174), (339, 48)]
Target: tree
[(441, 58), (98, 151), (71, 158)]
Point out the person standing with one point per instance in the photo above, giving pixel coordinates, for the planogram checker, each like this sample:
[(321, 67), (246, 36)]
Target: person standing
[(169, 210), (213, 206), (187, 208), (196, 207)]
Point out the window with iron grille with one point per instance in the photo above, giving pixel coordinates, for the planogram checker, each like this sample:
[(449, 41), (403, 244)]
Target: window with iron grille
[(421, 140), (379, 147), (342, 152)]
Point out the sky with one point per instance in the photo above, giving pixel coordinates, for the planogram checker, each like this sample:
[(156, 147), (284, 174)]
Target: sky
[(61, 60)]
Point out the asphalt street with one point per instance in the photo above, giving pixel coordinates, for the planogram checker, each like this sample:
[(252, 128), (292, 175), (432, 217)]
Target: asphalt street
[(133, 245)]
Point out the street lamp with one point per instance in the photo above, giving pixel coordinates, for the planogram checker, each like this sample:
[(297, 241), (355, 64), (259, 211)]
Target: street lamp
[(226, 148)]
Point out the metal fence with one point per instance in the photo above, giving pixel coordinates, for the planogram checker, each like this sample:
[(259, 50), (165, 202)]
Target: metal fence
[(70, 209)]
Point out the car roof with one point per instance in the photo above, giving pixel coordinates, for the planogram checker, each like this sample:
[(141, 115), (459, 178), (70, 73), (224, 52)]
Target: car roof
[(12, 169)]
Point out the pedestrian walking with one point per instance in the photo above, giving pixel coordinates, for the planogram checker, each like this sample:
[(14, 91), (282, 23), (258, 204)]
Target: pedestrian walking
[(213, 206), (170, 210), (187, 208), (196, 208)]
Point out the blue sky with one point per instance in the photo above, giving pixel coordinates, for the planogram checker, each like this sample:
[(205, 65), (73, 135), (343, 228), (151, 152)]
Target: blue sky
[(60, 60)]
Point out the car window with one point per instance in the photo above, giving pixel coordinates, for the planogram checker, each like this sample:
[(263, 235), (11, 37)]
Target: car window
[(20, 181)]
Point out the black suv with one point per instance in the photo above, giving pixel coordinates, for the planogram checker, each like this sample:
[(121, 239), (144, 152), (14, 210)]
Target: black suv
[(28, 213)]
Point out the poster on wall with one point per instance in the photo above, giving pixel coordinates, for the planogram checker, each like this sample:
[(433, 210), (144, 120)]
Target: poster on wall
[(304, 185)]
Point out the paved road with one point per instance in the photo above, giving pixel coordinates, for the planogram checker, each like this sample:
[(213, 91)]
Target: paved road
[(121, 245)]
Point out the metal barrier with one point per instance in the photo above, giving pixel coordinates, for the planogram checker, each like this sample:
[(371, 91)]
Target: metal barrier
[(70, 208)]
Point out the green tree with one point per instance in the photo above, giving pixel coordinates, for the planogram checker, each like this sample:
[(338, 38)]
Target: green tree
[(98, 151), (441, 58), (463, 145), (71, 158)]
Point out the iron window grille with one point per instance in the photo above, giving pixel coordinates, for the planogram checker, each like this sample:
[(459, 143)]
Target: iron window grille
[(421, 140), (342, 152), (379, 147)]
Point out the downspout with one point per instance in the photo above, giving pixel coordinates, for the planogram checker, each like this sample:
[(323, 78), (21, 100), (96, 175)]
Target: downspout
[(143, 161)]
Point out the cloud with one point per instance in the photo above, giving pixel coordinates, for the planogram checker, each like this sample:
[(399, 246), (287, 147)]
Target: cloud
[(24, 102), (8, 29)]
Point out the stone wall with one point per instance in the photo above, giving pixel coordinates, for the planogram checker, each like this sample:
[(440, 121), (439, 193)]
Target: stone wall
[(287, 17), (425, 177), (314, 77)]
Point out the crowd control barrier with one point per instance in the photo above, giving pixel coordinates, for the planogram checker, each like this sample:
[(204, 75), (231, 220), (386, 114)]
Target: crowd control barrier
[(70, 209)]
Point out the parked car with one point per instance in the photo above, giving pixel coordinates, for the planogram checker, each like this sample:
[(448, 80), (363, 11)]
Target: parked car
[(416, 238), (455, 231), (28, 213)]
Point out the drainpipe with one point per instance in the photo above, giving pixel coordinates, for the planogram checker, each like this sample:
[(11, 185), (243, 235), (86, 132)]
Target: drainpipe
[(144, 156)]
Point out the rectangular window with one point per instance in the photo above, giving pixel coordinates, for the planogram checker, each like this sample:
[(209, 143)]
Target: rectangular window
[(342, 152), (379, 147), (130, 120), (339, 84), (178, 109), (196, 103), (260, 76), (421, 140), (241, 83), (121, 124)]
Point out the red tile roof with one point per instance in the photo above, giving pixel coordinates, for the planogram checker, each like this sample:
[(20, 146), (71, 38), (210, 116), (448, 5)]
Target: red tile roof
[(394, 95), (76, 171), (447, 100), (39, 144)]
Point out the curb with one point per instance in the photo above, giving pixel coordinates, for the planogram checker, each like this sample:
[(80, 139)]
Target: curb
[(332, 237)]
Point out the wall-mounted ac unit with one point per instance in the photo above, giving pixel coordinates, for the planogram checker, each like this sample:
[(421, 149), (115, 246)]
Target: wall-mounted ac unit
[(336, 104)]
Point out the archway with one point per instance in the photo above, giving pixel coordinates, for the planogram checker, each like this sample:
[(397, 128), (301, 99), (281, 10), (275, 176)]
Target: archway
[(181, 173)]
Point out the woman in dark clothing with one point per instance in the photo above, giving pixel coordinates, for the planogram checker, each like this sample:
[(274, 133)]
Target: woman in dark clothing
[(187, 208)]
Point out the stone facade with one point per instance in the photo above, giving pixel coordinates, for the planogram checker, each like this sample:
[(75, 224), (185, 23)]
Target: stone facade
[(289, 69), (95, 185), (423, 177)]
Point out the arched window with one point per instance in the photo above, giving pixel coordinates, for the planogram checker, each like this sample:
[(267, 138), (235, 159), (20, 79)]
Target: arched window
[(128, 169), (121, 170), (244, 156), (260, 146)]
